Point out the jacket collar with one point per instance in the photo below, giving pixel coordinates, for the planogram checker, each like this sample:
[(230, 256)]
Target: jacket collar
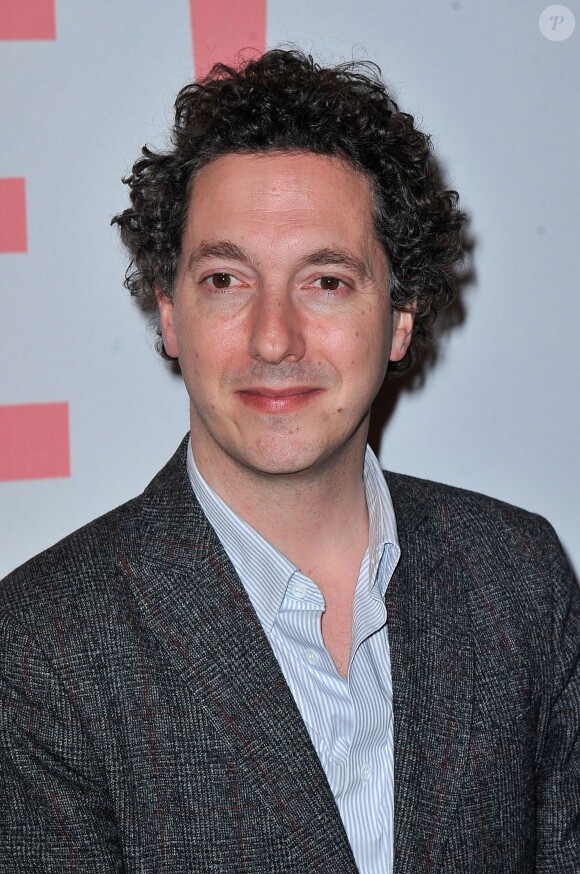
[(432, 672), (192, 600)]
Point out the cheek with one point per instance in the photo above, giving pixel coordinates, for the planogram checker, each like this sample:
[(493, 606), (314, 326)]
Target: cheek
[(363, 348), (209, 352), (201, 335)]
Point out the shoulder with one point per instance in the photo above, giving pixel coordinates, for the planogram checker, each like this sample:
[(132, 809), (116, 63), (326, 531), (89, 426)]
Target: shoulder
[(78, 573), (81, 575), (474, 514), (509, 557)]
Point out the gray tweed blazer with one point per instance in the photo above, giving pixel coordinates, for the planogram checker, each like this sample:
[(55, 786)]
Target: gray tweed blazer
[(146, 726)]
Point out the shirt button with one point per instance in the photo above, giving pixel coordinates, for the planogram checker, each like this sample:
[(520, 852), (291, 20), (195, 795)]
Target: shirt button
[(299, 590), (366, 773), (312, 657)]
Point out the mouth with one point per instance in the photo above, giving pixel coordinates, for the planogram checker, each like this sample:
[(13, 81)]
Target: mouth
[(279, 400)]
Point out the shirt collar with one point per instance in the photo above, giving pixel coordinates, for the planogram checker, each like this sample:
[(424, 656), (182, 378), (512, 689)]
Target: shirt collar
[(382, 522), (264, 571)]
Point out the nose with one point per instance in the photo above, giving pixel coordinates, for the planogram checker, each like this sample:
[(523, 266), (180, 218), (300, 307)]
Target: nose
[(277, 328)]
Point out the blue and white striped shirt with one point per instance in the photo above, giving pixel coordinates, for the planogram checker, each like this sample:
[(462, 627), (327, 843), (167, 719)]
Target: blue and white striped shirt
[(350, 721)]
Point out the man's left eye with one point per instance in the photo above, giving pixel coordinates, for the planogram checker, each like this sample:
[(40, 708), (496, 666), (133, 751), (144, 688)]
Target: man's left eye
[(330, 283)]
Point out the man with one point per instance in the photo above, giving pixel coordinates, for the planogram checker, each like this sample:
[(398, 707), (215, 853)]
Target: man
[(273, 660)]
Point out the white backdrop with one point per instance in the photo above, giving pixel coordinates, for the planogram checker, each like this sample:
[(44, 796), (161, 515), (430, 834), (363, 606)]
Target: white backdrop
[(499, 412)]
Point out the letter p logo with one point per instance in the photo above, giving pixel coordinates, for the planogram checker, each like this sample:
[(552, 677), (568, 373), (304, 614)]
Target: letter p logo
[(557, 23)]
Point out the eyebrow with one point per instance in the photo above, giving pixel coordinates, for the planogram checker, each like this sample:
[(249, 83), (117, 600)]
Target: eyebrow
[(337, 257), (320, 257), (219, 249)]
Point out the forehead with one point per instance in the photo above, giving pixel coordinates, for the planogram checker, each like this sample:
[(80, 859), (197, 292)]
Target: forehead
[(281, 191)]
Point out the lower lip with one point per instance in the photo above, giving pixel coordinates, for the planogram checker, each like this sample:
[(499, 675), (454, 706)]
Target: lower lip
[(278, 403)]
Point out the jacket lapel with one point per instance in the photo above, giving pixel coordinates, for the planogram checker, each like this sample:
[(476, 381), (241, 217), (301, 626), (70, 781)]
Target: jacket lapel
[(432, 670), (192, 599), (194, 602)]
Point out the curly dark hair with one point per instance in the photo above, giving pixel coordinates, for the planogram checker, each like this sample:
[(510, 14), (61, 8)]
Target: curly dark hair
[(285, 101)]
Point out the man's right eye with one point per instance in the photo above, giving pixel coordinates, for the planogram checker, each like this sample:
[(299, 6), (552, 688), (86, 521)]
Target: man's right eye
[(220, 280)]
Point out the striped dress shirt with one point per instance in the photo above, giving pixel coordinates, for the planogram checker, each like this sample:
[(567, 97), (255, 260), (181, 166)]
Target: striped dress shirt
[(350, 721)]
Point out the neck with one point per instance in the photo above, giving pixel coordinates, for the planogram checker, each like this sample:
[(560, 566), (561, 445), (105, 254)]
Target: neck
[(309, 515)]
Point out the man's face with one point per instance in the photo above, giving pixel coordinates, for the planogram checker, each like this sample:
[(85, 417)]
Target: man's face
[(281, 318)]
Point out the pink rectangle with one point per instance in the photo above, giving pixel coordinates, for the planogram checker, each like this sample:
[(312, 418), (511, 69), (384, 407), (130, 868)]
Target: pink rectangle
[(27, 19), (221, 28), (12, 215), (34, 441)]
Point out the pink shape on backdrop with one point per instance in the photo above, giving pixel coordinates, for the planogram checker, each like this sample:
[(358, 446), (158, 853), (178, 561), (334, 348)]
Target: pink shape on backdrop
[(12, 215), (34, 441), (27, 19), (222, 27)]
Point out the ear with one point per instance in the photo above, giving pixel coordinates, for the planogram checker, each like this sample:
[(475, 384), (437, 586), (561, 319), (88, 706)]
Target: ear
[(167, 322), (402, 333)]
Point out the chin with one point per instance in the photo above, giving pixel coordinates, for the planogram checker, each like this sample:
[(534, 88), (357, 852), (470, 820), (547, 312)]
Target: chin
[(277, 466), (277, 460)]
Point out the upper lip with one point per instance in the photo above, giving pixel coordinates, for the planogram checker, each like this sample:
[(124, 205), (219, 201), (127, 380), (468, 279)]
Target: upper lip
[(280, 392)]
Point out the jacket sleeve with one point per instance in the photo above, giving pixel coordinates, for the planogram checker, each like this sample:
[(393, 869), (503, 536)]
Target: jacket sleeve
[(558, 783), (55, 812)]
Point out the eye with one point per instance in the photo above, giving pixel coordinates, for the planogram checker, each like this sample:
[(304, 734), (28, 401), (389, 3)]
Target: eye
[(221, 281), (329, 283)]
